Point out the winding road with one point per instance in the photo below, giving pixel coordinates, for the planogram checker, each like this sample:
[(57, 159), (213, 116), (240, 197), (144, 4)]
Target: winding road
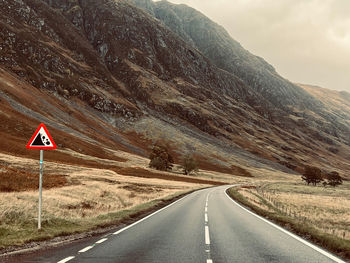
[(205, 227)]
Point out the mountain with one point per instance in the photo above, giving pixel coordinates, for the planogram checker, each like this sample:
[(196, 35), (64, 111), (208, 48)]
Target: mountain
[(215, 43), (115, 74)]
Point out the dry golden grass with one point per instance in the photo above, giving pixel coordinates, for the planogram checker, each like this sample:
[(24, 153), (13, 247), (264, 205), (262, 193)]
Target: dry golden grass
[(78, 201), (327, 209), (91, 191)]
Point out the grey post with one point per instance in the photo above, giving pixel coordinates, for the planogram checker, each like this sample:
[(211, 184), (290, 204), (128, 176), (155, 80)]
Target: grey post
[(40, 185)]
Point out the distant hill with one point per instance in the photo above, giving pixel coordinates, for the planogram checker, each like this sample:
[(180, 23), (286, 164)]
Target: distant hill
[(114, 74)]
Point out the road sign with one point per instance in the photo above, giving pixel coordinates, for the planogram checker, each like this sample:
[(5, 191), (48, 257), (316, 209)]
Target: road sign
[(41, 140)]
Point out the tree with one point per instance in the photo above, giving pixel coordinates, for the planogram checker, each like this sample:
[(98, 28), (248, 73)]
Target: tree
[(160, 157), (334, 179), (189, 164), (312, 175)]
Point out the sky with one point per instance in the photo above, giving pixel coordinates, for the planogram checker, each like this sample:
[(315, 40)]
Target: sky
[(307, 41)]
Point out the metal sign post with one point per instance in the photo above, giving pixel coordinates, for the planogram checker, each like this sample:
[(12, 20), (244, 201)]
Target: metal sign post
[(40, 186), (41, 140)]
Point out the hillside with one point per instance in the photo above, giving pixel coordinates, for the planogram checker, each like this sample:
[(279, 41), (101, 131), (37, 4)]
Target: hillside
[(105, 74), (215, 43)]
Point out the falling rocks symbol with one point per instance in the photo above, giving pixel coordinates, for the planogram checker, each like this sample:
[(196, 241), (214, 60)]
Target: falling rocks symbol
[(38, 140)]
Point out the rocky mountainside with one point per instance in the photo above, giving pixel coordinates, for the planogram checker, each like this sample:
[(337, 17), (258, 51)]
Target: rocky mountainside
[(215, 43), (337, 103), (103, 70)]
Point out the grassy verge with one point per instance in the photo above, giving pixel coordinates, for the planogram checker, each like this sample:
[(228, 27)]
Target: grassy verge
[(337, 245), (26, 231)]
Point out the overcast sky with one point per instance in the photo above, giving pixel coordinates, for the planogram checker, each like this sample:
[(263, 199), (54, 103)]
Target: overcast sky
[(307, 41)]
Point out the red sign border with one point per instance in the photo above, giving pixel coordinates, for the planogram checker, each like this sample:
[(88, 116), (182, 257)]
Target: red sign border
[(42, 125)]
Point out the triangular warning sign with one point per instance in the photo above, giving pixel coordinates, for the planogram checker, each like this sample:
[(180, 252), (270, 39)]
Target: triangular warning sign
[(41, 139)]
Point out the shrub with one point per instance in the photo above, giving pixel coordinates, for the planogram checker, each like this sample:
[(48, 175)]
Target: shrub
[(312, 175), (160, 157), (334, 179), (189, 164)]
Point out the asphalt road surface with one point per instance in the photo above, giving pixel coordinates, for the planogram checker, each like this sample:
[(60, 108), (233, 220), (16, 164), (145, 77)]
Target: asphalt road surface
[(204, 227)]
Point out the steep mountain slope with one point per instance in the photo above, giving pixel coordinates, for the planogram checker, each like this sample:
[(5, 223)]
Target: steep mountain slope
[(226, 53), (95, 69), (337, 102)]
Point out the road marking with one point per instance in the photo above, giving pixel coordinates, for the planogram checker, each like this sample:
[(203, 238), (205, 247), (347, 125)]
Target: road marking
[(156, 212), (207, 238), (85, 249), (101, 240), (323, 252), (206, 229), (65, 260)]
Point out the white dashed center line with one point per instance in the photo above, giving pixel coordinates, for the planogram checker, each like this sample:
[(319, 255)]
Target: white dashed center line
[(207, 238), (206, 231), (101, 240), (65, 260), (85, 249)]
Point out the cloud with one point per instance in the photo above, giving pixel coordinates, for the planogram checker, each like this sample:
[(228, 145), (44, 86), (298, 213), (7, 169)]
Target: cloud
[(306, 41)]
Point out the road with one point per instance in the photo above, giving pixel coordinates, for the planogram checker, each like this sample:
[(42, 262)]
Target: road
[(205, 227)]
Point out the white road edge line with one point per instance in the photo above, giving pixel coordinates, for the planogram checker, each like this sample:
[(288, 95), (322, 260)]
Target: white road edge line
[(323, 252), (207, 238), (85, 249), (101, 241), (156, 212), (65, 260)]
